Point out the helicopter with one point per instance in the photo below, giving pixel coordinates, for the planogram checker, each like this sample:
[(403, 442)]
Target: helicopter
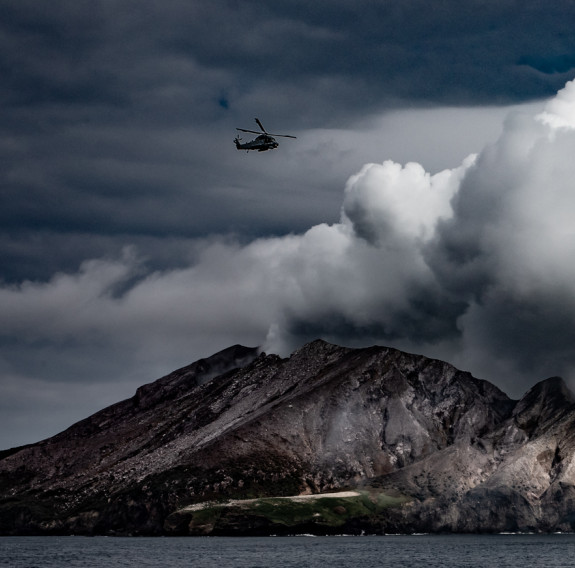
[(261, 143)]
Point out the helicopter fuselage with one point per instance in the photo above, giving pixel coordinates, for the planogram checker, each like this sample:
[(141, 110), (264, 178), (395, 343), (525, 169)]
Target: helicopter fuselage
[(261, 143)]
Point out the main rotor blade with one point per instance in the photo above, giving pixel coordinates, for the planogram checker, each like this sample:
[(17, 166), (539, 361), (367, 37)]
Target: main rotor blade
[(260, 125), (284, 135), (251, 131), (264, 131)]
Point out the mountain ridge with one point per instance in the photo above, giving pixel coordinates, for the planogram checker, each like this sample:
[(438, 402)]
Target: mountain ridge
[(399, 428)]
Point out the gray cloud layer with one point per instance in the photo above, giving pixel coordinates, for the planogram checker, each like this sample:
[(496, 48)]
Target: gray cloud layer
[(473, 264)]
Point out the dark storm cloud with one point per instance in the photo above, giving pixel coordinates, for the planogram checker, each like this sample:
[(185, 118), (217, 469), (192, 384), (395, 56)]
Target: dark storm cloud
[(177, 61), (115, 114)]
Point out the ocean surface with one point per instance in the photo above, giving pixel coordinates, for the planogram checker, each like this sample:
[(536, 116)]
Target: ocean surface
[(495, 551)]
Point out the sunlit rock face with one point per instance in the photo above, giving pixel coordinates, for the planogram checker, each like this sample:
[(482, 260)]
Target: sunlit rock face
[(456, 451)]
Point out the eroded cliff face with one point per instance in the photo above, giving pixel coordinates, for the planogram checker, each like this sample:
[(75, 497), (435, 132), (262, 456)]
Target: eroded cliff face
[(450, 451)]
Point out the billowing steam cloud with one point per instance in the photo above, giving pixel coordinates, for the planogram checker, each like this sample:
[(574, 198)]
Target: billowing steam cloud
[(475, 265)]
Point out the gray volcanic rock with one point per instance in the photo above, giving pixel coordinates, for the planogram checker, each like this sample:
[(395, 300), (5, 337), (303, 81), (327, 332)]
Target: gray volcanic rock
[(451, 452), (518, 476)]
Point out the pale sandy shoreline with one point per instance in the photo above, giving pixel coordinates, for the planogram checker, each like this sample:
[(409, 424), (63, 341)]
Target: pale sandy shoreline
[(297, 498)]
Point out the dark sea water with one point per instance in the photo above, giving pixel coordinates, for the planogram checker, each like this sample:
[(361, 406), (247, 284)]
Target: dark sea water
[(496, 551)]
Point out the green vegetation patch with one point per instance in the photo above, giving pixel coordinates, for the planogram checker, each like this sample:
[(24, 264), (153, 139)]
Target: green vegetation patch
[(329, 512), (325, 511)]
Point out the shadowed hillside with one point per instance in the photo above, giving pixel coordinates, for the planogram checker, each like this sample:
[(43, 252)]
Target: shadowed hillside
[(210, 448)]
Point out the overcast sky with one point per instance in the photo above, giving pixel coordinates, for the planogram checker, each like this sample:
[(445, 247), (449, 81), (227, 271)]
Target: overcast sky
[(426, 203)]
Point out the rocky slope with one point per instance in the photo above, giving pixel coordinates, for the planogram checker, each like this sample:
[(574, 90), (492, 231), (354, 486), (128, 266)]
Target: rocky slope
[(210, 448)]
